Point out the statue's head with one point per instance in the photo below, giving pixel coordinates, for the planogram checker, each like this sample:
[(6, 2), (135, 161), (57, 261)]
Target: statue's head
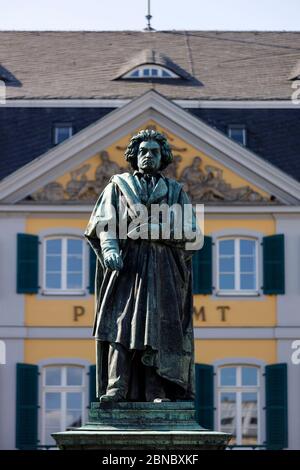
[(197, 162), (149, 151)]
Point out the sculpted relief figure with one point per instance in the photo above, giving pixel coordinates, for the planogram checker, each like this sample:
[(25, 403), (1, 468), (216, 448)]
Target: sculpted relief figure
[(172, 170), (202, 185), (81, 188), (104, 171), (208, 185), (144, 306)]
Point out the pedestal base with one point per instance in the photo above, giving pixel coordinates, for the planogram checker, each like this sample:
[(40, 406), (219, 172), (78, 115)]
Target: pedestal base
[(163, 426)]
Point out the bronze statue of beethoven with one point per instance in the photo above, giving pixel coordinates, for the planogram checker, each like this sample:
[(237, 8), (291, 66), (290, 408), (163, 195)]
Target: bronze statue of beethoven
[(144, 305)]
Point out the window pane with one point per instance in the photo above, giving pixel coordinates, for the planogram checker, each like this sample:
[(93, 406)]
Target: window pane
[(74, 281), (74, 376), (228, 376), (247, 264), (53, 246), (154, 72), (62, 133), (52, 400), (165, 74), (249, 376), (237, 134), (226, 247), (249, 418), (53, 263), (247, 247), (248, 281), (146, 72), (49, 441), (74, 418), (74, 246), (52, 416), (226, 281), (74, 263), (53, 376), (53, 281), (74, 407), (228, 414), (226, 264), (74, 400), (135, 73)]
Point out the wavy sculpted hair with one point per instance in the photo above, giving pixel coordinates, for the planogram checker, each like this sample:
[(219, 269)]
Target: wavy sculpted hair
[(131, 152)]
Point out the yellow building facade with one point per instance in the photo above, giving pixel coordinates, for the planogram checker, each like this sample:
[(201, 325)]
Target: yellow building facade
[(238, 327)]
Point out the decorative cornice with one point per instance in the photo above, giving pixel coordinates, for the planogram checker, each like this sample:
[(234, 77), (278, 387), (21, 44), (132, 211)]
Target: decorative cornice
[(207, 333), (119, 102), (86, 209)]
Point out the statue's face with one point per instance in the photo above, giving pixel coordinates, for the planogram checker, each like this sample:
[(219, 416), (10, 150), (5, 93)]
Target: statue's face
[(149, 156)]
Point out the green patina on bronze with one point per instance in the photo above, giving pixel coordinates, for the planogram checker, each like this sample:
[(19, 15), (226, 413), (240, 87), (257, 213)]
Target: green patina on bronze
[(142, 426)]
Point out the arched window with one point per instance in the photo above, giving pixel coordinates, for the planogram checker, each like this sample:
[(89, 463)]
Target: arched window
[(239, 403), (64, 263), (62, 399), (237, 265), (150, 71)]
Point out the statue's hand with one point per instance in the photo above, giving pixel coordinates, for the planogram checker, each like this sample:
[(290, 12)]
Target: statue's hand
[(113, 261)]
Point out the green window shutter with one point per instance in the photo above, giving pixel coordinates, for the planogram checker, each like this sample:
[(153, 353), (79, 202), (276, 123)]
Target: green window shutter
[(92, 383), (27, 406), (92, 270), (276, 406), (27, 263), (273, 260), (204, 401), (202, 268)]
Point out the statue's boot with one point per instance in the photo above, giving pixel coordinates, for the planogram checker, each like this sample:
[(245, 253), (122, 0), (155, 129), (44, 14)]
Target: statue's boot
[(154, 386), (112, 396)]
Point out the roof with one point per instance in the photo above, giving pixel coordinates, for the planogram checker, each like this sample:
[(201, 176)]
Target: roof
[(225, 65)]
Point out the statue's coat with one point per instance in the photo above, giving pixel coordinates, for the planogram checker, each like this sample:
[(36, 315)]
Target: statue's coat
[(148, 304)]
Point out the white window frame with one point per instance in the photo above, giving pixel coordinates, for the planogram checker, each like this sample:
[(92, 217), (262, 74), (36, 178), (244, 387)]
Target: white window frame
[(237, 290), (63, 389), (238, 389), (64, 290), (244, 133), (159, 69), (56, 130)]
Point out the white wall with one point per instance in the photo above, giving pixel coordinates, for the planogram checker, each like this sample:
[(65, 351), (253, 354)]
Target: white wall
[(11, 303)]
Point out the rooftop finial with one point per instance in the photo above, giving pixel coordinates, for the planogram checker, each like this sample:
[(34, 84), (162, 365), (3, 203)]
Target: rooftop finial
[(148, 18)]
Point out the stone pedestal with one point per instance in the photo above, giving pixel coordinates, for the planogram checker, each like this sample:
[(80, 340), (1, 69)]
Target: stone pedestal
[(166, 426)]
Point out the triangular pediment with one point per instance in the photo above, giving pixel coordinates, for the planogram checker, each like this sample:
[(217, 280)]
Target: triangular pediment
[(203, 178), (212, 168)]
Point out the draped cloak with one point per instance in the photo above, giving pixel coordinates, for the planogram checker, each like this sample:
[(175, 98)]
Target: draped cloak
[(148, 304)]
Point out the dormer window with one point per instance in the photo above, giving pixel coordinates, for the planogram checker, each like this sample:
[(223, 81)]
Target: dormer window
[(151, 65), (150, 71)]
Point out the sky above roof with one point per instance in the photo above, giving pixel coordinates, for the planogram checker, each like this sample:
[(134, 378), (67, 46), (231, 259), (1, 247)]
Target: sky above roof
[(234, 15)]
